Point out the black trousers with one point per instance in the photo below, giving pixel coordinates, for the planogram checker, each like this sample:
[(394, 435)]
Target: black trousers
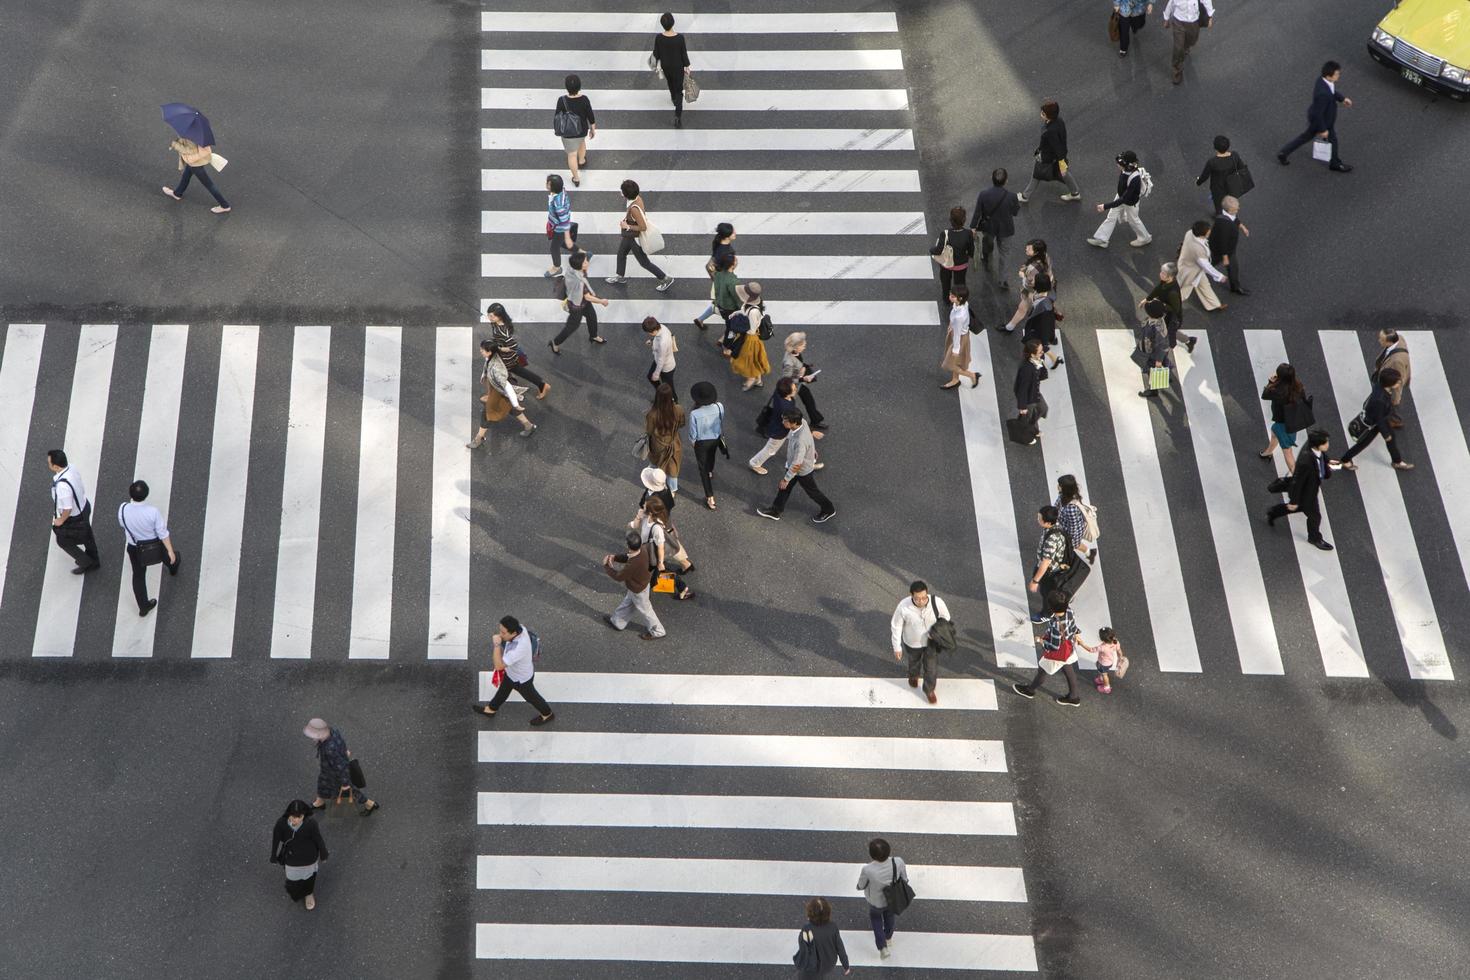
[(1128, 26), (526, 689), (1172, 324), (1368, 437), (75, 538), (809, 486), (1232, 271), (704, 456), (526, 373), (1307, 137), (558, 239), (629, 243), (1313, 511), (809, 402), (1069, 671), (675, 80), (948, 279), (140, 575), (660, 378), (574, 317)]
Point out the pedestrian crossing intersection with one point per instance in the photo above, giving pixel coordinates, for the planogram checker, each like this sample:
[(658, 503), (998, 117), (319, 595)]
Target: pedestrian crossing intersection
[(318, 460), (801, 171), (706, 843)]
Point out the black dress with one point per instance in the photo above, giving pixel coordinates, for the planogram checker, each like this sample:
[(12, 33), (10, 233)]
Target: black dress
[(673, 57)]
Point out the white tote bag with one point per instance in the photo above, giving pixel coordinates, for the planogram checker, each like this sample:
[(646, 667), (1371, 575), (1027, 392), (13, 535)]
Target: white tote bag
[(1321, 150), (218, 162), (650, 239)]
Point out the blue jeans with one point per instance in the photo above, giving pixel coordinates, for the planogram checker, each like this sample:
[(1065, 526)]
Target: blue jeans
[(204, 179), (882, 921)]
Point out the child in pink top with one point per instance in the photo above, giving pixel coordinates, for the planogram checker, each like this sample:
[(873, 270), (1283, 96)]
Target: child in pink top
[(1109, 653)]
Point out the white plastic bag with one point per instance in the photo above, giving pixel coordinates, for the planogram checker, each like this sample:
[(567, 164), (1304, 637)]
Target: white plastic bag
[(1321, 150)]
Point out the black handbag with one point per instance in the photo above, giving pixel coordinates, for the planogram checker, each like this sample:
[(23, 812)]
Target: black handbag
[(1279, 485), (1239, 181), (1022, 429), (806, 959), (1299, 415), (898, 892), (354, 774), (150, 550), (942, 635), (1358, 426)]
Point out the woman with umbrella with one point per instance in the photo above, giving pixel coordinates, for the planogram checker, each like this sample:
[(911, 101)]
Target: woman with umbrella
[(195, 147)]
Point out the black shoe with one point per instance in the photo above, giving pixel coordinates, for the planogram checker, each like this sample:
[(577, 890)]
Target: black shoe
[(148, 608), (1071, 702), (767, 514), (540, 720), (1024, 691), (1281, 159), (1342, 168), (824, 518), (1037, 619), (1151, 393), (1270, 518), (1240, 292), (1189, 344), (678, 122), (1320, 544), (84, 569)]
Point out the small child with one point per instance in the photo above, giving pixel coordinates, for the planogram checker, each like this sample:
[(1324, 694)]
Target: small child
[(1110, 657)]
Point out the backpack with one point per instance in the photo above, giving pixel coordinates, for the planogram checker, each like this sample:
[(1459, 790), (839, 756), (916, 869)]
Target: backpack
[(767, 328), (1089, 515), (535, 645), (1148, 183), (566, 123)]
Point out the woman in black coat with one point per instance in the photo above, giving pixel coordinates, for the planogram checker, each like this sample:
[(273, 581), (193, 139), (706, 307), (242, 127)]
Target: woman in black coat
[(297, 844), (672, 56), (819, 944), (1051, 155)]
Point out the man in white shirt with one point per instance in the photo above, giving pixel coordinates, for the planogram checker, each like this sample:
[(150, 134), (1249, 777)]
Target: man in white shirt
[(661, 339), (147, 541), (514, 654), (909, 630), (71, 514), (1186, 17)]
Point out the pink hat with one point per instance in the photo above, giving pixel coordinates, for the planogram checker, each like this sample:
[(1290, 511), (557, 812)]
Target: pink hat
[(316, 729)]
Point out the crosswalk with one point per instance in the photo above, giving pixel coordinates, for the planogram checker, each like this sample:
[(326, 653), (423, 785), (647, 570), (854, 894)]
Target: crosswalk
[(748, 153), (668, 787)]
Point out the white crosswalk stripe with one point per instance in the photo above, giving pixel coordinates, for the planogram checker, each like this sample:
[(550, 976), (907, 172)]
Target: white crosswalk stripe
[(377, 496), (563, 61), (763, 268), (739, 100), (19, 370), (595, 22), (824, 223), (712, 140), (728, 180)]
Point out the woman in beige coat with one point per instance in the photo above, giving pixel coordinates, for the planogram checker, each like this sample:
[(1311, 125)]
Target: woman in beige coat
[(193, 162), (1195, 270)]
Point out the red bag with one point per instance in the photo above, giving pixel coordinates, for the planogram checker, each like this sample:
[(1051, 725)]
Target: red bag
[(1062, 653), (496, 677), (549, 229)]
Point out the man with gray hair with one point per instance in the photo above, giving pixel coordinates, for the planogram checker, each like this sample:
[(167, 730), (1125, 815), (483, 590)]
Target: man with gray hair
[(1167, 292), (1225, 239)]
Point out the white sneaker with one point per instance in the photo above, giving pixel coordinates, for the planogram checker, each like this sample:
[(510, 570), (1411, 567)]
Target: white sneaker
[(616, 280), (661, 287), (1140, 242), (1022, 198), (1098, 242), (885, 952), (1071, 197)]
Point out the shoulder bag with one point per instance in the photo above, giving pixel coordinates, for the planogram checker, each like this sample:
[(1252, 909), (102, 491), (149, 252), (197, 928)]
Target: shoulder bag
[(354, 774), (566, 123), (1238, 182), (806, 959), (898, 892), (720, 442), (650, 239), (150, 550), (1114, 31), (942, 636), (691, 89)]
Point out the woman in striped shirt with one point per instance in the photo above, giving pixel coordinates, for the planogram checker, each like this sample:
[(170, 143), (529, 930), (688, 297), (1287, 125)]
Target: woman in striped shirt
[(1058, 651), (561, 231)]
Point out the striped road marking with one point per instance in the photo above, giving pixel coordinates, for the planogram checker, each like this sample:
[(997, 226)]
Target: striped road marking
[(826, 814), (18, 373), (761, 267), (939, 882), (730, 181), (561, 62), (720, 140), (689, 944), (790, 313), (845, 223), (744, 690), (528, 21), (719, 100), (772, 751)]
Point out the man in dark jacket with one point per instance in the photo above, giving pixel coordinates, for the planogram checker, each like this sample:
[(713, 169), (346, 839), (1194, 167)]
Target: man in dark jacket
[(1376, 413), (1306, 485), (994, 218), (1030, 406), (1225, 239), (1166, 291), (1322, 118), (634, 570)]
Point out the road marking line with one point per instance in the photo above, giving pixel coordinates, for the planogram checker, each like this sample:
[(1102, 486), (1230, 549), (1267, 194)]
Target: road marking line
[(586, 61), (1148, 505), (19, 370), (587, 22), (449, 521), (158, 436), (718, 100), (702, 223), (776, 751), (377, 496), (1327, 595), (224, 515), (791, 313), (733, 181), (765, 268), (1388, 519), (745, 690), (61, 591), (301, 495), (708, 140)]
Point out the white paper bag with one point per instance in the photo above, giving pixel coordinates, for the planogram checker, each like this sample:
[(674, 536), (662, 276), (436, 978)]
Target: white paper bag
[(1321, 150), (218, 162)]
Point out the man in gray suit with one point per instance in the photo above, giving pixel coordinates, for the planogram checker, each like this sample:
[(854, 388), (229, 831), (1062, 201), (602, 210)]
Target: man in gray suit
[(995, 221)]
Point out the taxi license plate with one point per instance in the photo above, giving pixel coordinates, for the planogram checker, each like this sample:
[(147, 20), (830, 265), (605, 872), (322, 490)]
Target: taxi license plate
[(1413, 76)]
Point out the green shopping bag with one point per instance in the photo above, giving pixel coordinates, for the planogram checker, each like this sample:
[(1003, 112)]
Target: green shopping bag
[(1158, 377)]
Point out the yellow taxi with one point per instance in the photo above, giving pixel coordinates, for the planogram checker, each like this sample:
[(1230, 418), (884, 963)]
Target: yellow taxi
[(1428, 43)]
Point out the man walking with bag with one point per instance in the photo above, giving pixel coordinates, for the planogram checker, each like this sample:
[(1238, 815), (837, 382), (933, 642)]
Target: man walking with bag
[(148, 542), (1054, 560), (1307, 477), (1185, 18), (634, 569), (884, 882), (995, 221), (909, 631), (1322, 119), (514, 655), (71, 520)]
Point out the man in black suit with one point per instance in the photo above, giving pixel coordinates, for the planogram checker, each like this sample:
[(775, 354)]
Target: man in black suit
[(1322, 118), (1306, 484), (995, 220), (1031, 408), (1225, 239)]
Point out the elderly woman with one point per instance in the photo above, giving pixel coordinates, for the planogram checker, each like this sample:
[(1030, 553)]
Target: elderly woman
[(794, 366), (1195, 270), (193, 159), (336, 760), (1153, 345), (500, 398)]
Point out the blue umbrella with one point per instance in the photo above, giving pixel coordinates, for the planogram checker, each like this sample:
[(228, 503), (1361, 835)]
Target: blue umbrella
[(189, 123)]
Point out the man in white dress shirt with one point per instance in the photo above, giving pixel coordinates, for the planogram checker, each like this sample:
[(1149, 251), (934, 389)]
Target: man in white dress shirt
[(915, 616), (514, 655), (1185, 18), (71, 520), (147, 540)]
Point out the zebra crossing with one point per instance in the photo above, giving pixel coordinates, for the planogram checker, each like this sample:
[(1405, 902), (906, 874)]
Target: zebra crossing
[(673, 786), (747, 153)]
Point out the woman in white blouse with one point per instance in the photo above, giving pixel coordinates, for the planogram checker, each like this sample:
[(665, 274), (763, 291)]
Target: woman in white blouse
[(957, 341)]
